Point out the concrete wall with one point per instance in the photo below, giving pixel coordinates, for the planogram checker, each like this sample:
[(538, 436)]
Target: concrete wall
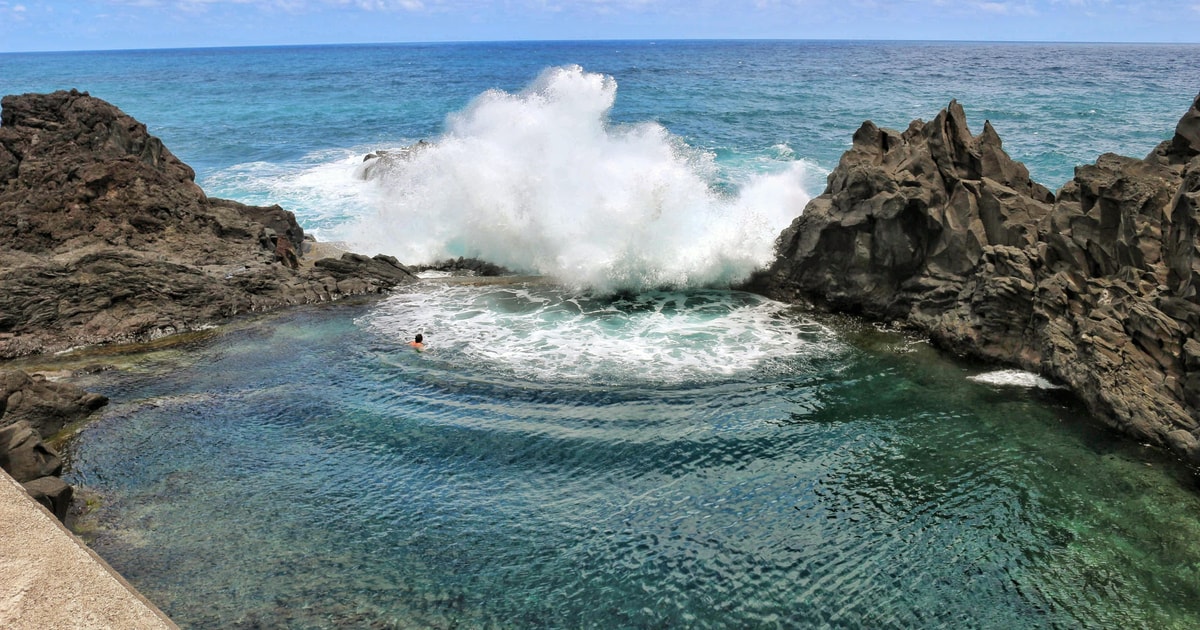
[(50, 580)]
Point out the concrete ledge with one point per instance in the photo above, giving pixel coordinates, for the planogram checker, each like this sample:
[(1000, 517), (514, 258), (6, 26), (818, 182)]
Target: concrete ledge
[(49, 579)]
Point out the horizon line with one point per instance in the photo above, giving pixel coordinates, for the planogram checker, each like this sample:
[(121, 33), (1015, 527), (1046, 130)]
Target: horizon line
[(608, 40)]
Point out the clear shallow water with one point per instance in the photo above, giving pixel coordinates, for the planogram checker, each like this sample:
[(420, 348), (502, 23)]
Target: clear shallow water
[(312, 471)]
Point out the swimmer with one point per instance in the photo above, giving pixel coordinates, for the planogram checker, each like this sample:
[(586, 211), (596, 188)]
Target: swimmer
[(417, 343)]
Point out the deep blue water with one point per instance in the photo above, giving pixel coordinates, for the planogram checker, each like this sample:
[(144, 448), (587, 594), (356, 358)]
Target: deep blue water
[(1055, 105), (679, 457)]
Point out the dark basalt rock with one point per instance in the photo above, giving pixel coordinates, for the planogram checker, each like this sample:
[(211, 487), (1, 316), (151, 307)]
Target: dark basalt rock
[(371, 273), (465, 266), (1095, 287), (107, 238)]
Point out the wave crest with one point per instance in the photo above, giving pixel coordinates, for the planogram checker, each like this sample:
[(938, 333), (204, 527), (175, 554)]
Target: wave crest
[(540, 181)]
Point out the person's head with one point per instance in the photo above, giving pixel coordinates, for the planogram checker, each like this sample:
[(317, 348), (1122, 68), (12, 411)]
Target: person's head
[(419, 338)]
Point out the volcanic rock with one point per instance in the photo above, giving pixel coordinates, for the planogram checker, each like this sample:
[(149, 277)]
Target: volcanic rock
[(107, 237), (47, 406), (1095, 287), (31, 407), (465, 266)]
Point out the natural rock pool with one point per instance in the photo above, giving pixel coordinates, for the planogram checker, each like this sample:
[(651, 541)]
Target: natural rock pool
[(699, 459)]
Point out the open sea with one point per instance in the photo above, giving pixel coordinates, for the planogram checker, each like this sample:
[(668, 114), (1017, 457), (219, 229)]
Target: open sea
[(613, 439)]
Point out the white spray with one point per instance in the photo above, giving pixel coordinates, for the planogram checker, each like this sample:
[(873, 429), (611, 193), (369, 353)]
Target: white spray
[(541, 182)]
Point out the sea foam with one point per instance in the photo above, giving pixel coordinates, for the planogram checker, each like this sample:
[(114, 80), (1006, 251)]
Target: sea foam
[(540, 181), (1013, 378), (540, 332)]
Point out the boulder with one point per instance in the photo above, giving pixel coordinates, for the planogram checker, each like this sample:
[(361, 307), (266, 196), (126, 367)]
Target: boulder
[(30, 407), (45, 405), (1095, 286), (24, 456), (53, 493)]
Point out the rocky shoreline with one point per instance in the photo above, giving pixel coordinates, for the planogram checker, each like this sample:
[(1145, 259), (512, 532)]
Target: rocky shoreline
[(108, 240), (1095, 287)]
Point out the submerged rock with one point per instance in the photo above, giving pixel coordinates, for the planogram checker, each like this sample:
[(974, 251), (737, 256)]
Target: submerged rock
[(1095, 287), (109, 239)]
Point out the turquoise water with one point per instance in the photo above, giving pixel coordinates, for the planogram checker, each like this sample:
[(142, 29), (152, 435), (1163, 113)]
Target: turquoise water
[(312, 471), (622, 445)]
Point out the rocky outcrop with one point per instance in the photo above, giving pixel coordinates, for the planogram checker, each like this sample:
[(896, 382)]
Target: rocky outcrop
[(1095, 286), (107, 238), (32, 407)]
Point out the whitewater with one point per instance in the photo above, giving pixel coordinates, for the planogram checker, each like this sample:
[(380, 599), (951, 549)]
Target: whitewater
[(540, 181)]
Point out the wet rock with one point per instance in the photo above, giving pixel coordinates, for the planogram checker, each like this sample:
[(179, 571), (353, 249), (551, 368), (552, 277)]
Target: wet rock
[(378, 163), (1095, 287), (465, 266)]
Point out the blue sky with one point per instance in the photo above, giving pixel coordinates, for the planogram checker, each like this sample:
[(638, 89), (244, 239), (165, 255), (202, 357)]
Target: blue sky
[(30, 25)]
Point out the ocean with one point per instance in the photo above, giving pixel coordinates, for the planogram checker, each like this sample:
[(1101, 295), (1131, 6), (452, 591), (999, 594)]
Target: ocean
[(614, 438)]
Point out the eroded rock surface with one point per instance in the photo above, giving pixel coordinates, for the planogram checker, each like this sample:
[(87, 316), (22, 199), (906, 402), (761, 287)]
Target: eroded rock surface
[(1095, 287), (107, 238)]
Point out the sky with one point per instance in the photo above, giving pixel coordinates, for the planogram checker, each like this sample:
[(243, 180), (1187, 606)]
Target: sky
[(49, 25)]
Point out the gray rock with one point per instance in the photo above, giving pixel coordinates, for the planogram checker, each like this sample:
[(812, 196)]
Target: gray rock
[(24, 456)]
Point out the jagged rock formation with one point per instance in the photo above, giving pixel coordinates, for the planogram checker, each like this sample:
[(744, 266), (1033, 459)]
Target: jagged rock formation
[(1096, 287), (107, 238), (32, 407)]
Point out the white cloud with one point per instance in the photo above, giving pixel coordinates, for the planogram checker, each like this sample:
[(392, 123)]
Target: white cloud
[(384, 5), (286, 5), (1006, 8)]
